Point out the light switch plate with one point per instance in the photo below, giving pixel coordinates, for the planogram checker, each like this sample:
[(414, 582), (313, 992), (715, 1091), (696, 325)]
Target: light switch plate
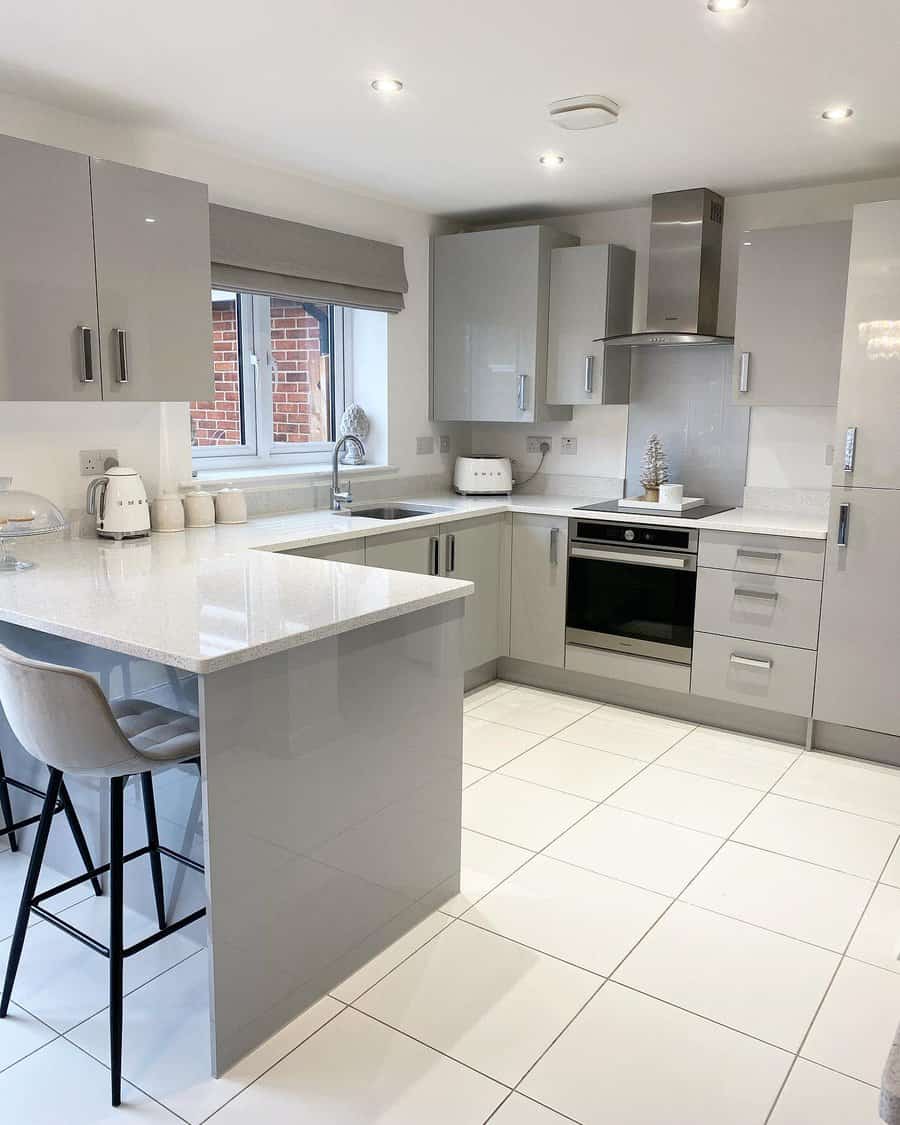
[(93, 462), (445, 443), (534, 441), (568, 445), (425, 444)]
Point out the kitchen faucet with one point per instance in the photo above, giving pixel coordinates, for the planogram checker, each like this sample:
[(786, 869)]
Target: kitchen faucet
[(337, 497)]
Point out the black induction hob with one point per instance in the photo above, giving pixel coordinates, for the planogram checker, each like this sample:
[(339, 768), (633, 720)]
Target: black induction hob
[(698, 513)]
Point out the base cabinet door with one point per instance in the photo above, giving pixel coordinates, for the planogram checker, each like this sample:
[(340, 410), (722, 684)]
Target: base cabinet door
[(470, 551), (859, 637), (538, 594), (414, 551), (49, 345)]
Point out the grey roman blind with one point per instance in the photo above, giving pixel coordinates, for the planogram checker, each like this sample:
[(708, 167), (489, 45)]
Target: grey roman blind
[(261, 254)]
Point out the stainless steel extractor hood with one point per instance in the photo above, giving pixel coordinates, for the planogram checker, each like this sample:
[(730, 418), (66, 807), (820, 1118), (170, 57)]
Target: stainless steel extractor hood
[(683, 281)]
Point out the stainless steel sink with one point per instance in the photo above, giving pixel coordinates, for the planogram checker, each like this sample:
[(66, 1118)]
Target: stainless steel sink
[(394, 512)]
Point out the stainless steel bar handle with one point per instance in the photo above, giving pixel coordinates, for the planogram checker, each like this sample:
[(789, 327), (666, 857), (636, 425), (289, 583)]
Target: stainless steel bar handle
[(763, 594), (850, 449), (87, 354), (750, 662), (554, 546), (770, 556), (636, 558), (744, 374), (434, 546), (122, 349), (450, 557), (843, 525), (520, 392), (588, 374)]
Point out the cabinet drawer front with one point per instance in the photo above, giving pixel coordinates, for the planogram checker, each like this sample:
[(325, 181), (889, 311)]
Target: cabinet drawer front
[(763, 554), (773, 677), (633, 669), (758, 607)]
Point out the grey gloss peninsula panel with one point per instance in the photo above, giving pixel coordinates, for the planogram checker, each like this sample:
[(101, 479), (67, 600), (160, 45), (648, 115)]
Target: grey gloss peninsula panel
[(327, 825)]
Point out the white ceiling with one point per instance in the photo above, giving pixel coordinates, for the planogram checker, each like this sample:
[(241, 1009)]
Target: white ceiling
[(729, 101)]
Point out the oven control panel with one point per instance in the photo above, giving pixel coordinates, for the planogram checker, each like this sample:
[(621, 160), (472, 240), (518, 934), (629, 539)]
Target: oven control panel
[(635, 535)]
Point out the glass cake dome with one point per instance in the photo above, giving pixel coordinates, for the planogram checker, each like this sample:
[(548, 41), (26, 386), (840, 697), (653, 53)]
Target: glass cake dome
[(21, 514)]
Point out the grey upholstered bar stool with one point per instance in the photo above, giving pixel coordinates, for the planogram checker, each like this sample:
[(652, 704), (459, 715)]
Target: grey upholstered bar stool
[(62, 718)]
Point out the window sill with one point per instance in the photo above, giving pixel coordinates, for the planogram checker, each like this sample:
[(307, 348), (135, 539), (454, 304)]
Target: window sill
[(260, 479)]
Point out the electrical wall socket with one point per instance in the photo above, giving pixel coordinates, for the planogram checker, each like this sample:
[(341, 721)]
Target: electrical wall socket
[(445, 443), (93, 462), (533, 443), (425, 444), (568, 445)]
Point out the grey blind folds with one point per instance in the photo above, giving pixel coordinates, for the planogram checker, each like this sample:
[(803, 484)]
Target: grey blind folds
[(260, 254)]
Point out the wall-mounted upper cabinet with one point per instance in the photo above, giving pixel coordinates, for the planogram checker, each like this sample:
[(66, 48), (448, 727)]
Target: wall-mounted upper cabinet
[(490, 309), (591, 295), (91, 290), (792, 288)]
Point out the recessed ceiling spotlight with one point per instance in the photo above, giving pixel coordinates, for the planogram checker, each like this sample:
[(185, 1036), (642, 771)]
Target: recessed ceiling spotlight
[(387, 85), (551, 159), (150, 219), (726, 5), (838, 113), (589, 111)]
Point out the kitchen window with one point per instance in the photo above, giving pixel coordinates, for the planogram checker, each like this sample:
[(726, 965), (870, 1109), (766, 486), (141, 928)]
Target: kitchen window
[(281, 369)]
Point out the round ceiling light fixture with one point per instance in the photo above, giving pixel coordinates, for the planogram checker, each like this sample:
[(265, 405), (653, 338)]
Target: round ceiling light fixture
[(551, 160), (726, 5), (590, 111), (838, 113), (387, 85)]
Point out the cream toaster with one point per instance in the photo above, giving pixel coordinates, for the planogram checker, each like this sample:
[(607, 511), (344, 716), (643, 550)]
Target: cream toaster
[(480, 476)]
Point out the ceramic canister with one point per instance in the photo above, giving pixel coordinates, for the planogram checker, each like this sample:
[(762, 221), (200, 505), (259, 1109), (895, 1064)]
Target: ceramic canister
[(231, 506), (199, 509), (167, 513)]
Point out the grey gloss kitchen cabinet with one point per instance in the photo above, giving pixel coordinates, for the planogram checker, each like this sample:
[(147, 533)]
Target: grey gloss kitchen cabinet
[(791, 292), (346, 551), (537, 626), (471, 550), (49, 344), (490, 308), (869, 400), (151, 234), (591, 295), (415, 550), (859, 635)]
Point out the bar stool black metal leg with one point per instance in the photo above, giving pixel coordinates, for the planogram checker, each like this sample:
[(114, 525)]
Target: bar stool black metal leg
[(78, 836), (153, 840), (6, 807), (31, 882), (116, 960)]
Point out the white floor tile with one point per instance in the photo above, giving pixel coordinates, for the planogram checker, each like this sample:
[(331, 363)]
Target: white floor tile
[(12, 877), (592, 774), (877, 940), (78, 986), (649, 853), (484, 694), (815, 1096), (20, 1034), (747, 978), (166, 1042), (471, 774), (356, 1071), (855, 1027), (727, 756), (485, 863), (354, 986), (845, 783), (519, 812), (570, 913), (892, 869), (491, 745), (681, 798), (542, 713), (631, 733), (60, 1085), (795, 898), (844, 841), (486, 1001), (519, 1110), (631, 1060)]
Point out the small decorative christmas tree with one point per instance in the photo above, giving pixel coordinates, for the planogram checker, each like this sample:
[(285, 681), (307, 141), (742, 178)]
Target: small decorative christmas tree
[(655, 471)]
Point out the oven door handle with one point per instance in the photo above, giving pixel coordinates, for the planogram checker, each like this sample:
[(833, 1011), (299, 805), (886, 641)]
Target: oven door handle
[(639, 558)]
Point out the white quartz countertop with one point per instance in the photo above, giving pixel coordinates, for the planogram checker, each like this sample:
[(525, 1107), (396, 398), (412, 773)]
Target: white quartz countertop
[(213, 597)]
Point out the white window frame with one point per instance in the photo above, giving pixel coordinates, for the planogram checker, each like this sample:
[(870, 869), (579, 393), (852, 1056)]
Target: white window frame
[(260, 450)]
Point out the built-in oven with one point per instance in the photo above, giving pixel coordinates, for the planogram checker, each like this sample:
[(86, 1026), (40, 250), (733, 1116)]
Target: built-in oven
[(632, 588)]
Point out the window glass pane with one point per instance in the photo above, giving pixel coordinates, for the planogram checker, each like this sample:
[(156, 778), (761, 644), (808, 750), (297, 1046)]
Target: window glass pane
[(301, 347), (220, 422)]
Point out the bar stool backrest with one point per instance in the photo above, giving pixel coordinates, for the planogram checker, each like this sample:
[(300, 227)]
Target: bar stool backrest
[(62, 718)]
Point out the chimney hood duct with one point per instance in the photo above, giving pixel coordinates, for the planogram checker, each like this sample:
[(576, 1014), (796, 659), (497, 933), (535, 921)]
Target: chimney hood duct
[(683, 281)]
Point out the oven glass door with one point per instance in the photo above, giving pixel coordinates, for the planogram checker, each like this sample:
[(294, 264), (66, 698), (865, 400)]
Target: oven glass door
[(647, 610)]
